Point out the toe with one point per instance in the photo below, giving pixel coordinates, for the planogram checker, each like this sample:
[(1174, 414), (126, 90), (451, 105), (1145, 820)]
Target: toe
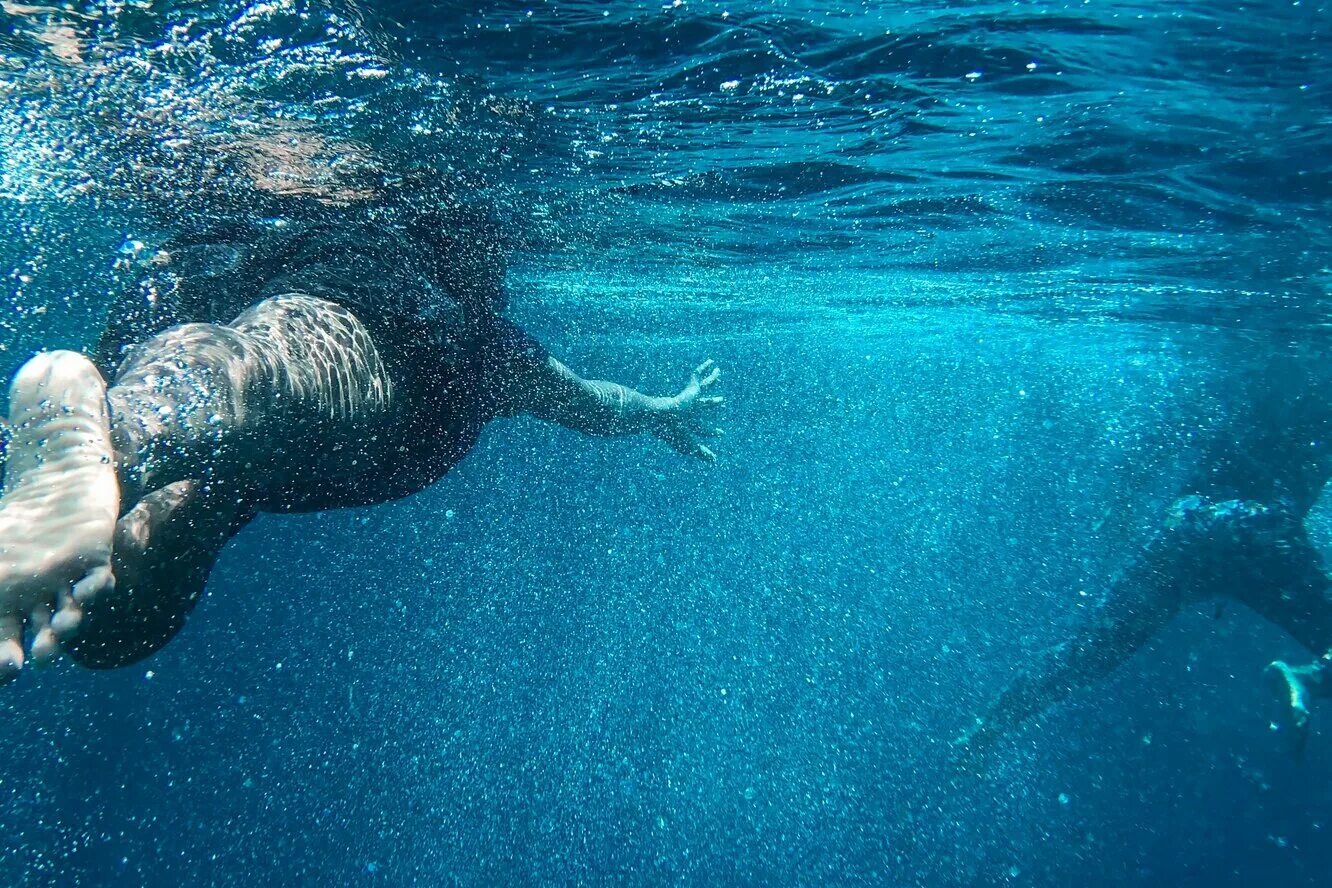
[(11, 647), (44, 647), (67, 617), (94, 583)]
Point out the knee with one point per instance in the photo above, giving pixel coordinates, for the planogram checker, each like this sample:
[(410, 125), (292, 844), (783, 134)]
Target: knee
[(1228, 521), (1229, 546)]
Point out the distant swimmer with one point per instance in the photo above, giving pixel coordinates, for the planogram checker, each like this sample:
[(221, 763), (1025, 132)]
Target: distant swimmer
[(337, 352), (1237, 533)]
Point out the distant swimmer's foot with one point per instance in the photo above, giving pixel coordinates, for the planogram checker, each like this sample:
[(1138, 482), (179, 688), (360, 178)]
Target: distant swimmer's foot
[(59, 506), (1291, 685)]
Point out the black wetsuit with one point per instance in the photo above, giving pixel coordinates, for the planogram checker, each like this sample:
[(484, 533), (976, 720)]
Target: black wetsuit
[(434, 317), (436, 324), (1237, 532)]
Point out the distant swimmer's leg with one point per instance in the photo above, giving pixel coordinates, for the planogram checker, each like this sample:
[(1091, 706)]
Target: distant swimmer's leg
[(1136, 607), (1284, 577), (165, 548), (1174, 567), (59, 506)]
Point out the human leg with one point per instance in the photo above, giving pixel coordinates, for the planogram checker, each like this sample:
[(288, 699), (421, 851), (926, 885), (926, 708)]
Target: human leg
[(165, 548), (288, 396)]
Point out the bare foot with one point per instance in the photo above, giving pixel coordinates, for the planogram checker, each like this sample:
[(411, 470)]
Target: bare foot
[(58, 511)]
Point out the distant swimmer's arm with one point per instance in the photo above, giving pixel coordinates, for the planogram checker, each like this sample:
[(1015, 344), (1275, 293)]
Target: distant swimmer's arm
[(555, 393)]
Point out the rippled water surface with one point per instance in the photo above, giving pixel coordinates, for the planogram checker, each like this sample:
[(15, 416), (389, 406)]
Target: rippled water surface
[(982, 275)]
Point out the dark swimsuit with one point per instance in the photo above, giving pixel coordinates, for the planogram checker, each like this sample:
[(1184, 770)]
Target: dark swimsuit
[(449, 352)]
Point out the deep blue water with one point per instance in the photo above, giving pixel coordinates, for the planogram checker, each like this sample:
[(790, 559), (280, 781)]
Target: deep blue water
[(982, 276)]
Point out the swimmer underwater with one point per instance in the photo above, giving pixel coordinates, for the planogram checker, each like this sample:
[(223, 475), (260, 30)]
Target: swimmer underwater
[(1236, 533), (326, 352)]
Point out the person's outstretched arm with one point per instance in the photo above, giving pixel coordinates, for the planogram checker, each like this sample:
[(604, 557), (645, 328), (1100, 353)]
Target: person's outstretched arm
[(553, 392)]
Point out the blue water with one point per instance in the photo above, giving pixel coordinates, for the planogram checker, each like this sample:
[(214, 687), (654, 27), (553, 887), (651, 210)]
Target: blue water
[(981, 277)]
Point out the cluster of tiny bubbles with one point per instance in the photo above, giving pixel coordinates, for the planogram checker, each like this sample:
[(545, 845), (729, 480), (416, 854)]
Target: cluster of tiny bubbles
[(135, 118)]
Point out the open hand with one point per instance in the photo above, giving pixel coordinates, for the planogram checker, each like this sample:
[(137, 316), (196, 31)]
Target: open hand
[(692, 414)]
